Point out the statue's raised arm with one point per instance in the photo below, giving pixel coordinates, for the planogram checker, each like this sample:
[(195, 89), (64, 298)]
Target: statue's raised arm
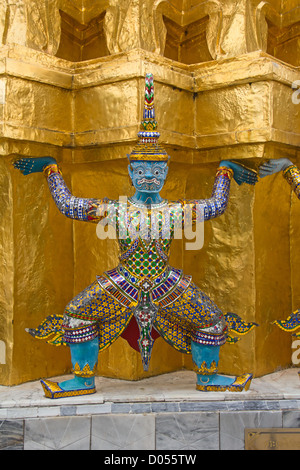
[(216, 205), (227, 170), (29, 165), (290, 172), (77, 208)]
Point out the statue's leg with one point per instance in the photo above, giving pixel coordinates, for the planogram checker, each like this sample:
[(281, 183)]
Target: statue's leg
[(205, 347), (194, 324), (82, 337), (206, 341), (92, 321), (84, 357), (83, 341)]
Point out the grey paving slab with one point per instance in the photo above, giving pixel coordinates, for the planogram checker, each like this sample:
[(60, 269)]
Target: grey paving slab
[(11, 435), (60, 433), (187, 431), (123, 432), (233, 425)]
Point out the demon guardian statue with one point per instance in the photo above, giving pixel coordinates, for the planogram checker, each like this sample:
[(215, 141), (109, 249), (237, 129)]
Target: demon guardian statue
[(143, 287)]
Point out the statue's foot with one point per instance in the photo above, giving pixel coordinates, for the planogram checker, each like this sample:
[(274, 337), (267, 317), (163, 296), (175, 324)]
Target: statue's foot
[(69, 388), (222, 383)]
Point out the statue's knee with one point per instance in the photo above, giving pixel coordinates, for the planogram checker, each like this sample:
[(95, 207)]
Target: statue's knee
[(79, 331), (214, 335)]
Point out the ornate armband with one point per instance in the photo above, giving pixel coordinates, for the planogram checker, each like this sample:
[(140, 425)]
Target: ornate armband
[(50, 169), (292, 175), (224, 170)]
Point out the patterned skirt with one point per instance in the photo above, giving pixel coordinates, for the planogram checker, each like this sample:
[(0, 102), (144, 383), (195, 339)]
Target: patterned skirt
[(193, 316)]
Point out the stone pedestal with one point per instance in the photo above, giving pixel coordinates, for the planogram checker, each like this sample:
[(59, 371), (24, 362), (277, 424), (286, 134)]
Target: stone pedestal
[(159, 415)]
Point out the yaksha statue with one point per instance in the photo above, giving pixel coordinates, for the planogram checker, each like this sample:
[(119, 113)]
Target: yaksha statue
[(291, 174), (143, 288)]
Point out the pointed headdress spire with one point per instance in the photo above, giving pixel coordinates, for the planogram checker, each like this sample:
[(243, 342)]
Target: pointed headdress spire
[(147, 147)]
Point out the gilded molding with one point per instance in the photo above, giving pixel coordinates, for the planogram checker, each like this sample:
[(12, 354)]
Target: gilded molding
[(232, 28), (31, 23), (85, 106)]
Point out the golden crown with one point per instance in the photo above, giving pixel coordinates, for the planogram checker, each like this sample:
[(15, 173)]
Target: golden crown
[(147, 148)]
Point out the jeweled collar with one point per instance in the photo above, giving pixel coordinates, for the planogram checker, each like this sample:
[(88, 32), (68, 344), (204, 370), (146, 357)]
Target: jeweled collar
[(163, 203)]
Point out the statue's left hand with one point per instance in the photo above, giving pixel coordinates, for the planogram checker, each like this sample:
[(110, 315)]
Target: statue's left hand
[(33, 165), (241, 174), (274, 166)]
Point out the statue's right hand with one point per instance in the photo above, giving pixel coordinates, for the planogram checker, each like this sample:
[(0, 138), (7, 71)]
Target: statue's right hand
[(33, 165)]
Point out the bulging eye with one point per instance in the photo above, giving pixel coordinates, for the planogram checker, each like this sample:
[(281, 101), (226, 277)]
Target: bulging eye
[(156, 172), (140, 172)]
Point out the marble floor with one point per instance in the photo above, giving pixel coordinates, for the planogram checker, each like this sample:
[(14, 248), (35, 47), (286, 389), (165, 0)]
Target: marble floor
[(165, 412), (168, 392)]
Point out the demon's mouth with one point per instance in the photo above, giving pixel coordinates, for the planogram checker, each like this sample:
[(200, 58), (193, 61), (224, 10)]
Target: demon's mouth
[(148, 184)]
